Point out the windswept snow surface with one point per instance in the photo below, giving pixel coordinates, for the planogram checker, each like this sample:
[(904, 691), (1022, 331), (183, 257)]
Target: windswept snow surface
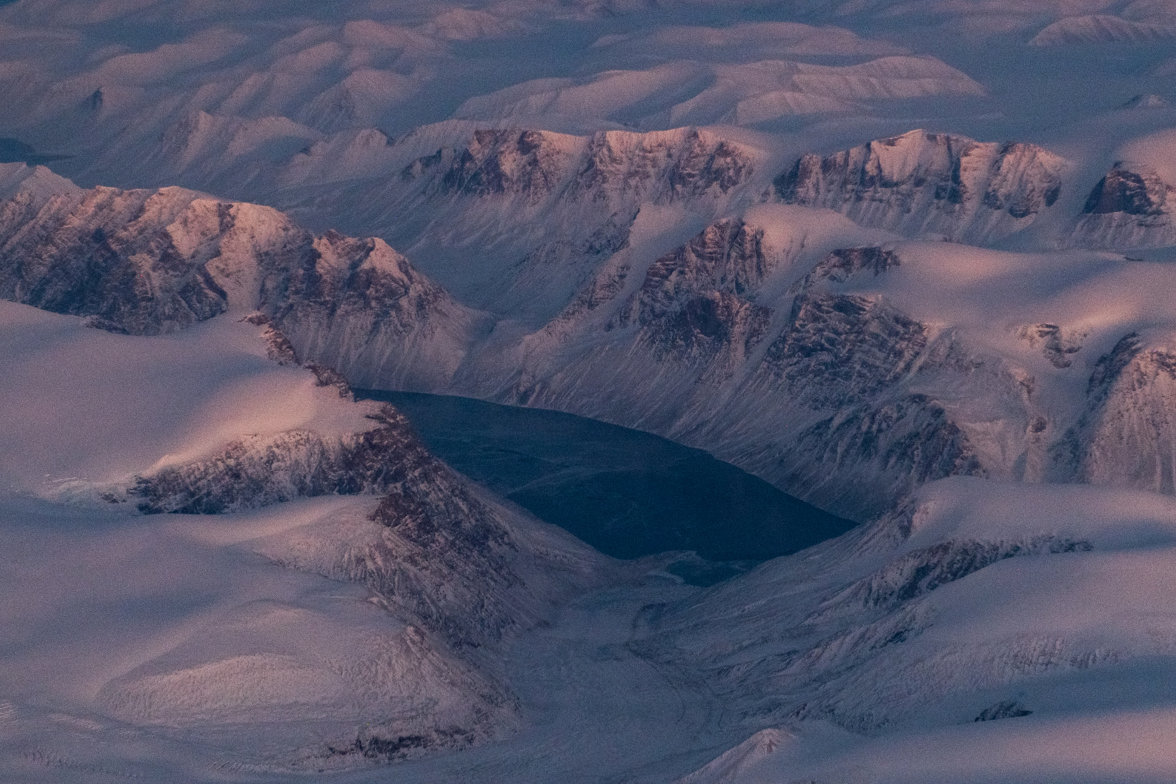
[(168, 648)]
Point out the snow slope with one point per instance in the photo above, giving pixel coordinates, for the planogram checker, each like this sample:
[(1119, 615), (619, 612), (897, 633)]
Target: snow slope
[(360, 626), (892, 644), (808, 351), (1100, 28), (71, 388), (683, 92)]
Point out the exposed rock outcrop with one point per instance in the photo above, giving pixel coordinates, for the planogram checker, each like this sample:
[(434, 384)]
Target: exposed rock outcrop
[(928, 184), (921, 571), (523, 163), (845, 263), (728, 256), (149, 262), (1057, 344), (608, 167), (259, 471), (838, 350), (1131, 206), (1126, 434)]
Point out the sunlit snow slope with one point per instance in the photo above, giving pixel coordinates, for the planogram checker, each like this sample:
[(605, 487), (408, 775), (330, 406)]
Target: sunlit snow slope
[(315, 633)]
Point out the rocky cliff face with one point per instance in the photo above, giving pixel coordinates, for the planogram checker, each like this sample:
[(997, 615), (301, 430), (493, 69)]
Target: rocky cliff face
[(360, 307), (541, 212), (927, 184), (147, 262), (1131, 206), (844, 264), (449, 554), (109, 254), (662, 167), (870, 395), (1127, 191), (728, 256), (527, 164), (840, 398), (839, 350), (695, 305), (609, 166), (1126, 434), (259, 471)]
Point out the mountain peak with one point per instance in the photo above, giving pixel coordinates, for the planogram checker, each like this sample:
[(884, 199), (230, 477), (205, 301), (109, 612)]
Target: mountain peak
[(931, 184)]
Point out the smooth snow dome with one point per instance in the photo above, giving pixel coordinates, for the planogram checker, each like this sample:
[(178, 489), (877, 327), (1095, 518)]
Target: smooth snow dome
[(735, 94)]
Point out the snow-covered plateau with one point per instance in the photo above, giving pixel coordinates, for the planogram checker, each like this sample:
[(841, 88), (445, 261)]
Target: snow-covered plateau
[(909, 262)]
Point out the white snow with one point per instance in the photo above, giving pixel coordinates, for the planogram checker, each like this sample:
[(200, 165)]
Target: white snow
[(86, 408), (214, 633), (1085, 637), (693, 93), (1101, 28), (143, 629)]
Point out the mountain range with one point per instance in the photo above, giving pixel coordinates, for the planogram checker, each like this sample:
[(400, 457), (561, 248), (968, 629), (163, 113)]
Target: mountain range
[(909, 263)]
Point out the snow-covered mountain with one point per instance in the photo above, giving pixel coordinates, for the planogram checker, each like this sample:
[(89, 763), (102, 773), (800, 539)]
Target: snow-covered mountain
[(1101, 28), (857, 349), (515, 221), (910, 261), (153, 261), (927, 184), (687, 91), (848, 368), (890, 643), (1128, 208), (431, 575)]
